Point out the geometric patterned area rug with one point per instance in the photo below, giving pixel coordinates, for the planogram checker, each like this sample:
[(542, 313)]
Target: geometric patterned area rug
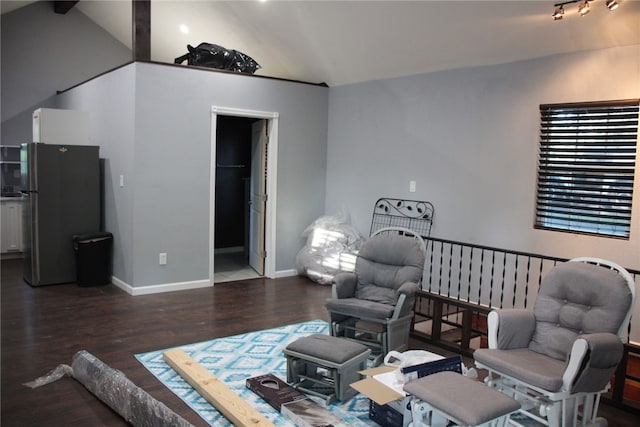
[(234, 359)]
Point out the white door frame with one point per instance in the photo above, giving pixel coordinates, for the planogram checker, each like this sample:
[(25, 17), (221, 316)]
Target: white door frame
[(272, 168)]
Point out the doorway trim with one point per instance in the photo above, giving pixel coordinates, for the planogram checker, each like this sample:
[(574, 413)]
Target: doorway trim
[(272, 168)]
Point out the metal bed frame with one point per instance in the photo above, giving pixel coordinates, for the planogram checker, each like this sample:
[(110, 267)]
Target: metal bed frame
[(415, 215)]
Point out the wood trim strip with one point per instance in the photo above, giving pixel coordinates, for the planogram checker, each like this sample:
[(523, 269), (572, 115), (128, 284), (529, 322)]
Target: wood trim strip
[(239, 412)]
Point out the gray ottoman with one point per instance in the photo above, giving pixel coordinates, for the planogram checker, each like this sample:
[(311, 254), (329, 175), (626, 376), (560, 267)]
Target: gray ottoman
[(449, 396), (324, 366)]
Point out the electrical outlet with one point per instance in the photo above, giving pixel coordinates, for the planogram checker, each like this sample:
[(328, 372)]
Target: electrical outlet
[(412, 186), (163, 258)]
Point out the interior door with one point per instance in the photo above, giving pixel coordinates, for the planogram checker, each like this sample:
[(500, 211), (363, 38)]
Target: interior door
[(258, 196)]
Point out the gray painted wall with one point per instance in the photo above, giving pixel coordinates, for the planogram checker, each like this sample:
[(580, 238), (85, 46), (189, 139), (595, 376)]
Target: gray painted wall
[(156, 130), (42, 52), (153, 127), (110, 101), (469, 138), (173, 133)]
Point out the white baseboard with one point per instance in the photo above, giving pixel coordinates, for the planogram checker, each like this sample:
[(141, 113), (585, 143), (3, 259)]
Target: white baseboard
[(179, 286), (286, 273), (157, 289)]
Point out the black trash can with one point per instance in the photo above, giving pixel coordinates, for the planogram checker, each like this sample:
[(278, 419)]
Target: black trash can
[(93, 258)]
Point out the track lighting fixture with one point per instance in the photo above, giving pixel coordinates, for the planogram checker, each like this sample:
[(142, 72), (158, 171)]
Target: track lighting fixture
[(558, 14), (612, 4), (583, 7)]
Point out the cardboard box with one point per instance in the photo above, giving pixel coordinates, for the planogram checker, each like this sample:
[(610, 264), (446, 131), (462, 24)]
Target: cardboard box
[(393, 414), (389, 405)]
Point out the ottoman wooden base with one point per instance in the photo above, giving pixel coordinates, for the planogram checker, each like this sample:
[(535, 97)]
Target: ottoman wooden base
[(324, 366)]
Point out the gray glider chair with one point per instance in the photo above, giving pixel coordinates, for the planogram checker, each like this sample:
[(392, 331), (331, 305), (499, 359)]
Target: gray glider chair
[(558, 358), (374, 304)]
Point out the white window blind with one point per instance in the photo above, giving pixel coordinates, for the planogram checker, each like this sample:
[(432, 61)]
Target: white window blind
[(586, 167)]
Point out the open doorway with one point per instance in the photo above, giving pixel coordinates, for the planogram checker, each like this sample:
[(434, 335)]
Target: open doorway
[(244, 145), (235, 233)]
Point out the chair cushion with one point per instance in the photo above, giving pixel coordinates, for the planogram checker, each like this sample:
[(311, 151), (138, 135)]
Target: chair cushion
[(576, 298), (525, 365), (380, 294), (384, 263), (328, 348), (355, 307), (464, 399)]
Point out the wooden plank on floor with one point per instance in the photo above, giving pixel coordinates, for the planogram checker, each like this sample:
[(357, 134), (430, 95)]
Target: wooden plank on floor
[(236, 410)]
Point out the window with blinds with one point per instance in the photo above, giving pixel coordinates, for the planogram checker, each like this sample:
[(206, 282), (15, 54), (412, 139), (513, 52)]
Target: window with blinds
[(586, 167)]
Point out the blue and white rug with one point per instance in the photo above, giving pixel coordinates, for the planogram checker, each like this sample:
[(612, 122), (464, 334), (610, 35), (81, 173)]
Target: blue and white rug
[(234, 359)]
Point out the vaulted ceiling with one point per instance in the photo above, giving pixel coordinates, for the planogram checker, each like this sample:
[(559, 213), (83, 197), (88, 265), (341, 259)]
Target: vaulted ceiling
[(342, 42)]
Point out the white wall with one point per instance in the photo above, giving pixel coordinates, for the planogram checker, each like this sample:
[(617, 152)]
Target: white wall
[(156, 130), (469, 138)]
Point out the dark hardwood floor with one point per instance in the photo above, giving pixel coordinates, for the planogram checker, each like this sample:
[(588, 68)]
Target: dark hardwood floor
[(44, 327)]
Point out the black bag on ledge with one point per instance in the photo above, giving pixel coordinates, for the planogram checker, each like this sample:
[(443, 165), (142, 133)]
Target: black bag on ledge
[(214, 56)]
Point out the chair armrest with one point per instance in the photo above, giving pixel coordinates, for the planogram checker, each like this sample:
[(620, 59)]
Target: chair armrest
[(408, 288), (510, 328), (344, 285), (592, 362), (406, 299)]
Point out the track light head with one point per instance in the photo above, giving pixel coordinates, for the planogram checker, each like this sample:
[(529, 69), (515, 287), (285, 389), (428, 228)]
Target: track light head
[(612, 4), (583, 8), (558, 14)]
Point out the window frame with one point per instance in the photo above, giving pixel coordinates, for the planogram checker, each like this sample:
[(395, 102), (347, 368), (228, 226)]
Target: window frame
[(583, 149)]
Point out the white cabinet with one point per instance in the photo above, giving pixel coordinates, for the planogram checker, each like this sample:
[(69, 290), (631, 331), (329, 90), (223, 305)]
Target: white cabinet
[(11, 225)]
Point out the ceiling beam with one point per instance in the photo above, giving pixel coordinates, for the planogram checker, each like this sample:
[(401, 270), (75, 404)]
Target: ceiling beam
[(62, 7), (141, 30)]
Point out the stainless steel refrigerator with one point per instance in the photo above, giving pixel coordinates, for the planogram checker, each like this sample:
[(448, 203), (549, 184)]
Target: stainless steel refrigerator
[(61, 187)]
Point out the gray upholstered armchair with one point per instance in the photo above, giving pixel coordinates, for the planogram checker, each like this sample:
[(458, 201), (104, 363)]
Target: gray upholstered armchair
[(374, 304), (558, 358)]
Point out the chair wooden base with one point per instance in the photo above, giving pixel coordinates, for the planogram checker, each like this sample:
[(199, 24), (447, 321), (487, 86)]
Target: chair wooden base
[(324, 366)]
